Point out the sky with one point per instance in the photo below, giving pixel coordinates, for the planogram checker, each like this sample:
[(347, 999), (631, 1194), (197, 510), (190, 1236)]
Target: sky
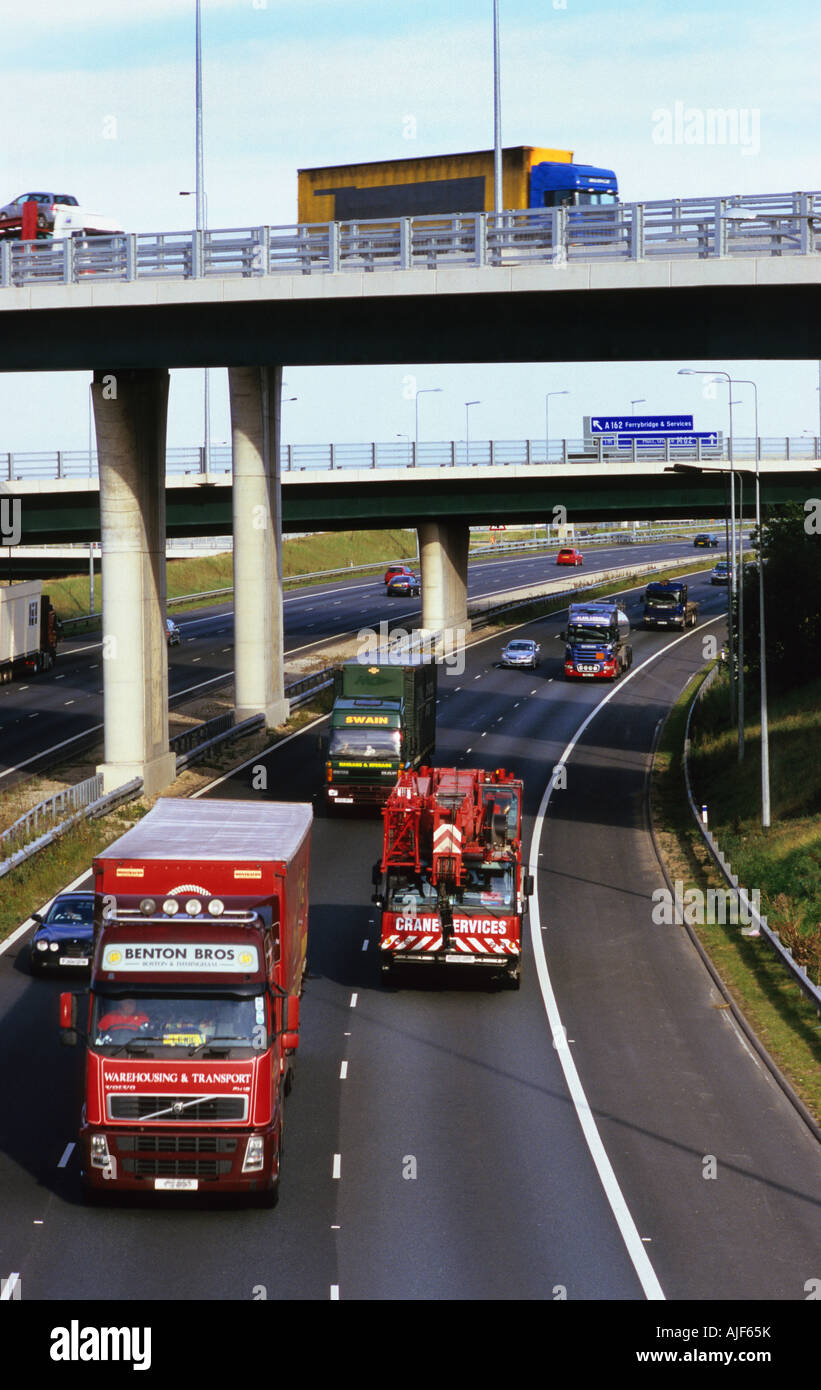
[(293, 85)]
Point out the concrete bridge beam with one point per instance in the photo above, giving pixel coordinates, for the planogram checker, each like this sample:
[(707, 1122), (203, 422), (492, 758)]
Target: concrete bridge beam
[(257, 521), (130, 409), (443, 552)]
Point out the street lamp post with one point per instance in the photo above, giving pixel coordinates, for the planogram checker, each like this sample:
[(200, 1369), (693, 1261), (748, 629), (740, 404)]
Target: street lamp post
[(765, 733), (497, 115), (468, 404), (640, 400), (547, 421), (426, 391)]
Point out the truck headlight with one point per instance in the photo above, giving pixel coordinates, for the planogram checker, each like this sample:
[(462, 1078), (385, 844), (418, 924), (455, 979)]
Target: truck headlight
[(254, 1154), (100, 1157)]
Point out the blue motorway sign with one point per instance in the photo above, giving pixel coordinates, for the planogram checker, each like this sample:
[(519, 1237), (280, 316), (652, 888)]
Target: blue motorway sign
[(640, 424), (658, 441)]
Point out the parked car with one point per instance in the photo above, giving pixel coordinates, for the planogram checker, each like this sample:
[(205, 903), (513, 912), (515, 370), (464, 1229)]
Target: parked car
[(65, 934), (405, 583), (721, 573), (47, 205), (703, 539), (396, 569), (569, 556), (172, 633), (521, 651)]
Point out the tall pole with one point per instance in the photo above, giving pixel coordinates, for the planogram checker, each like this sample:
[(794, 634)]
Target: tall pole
[(547, 421), (765, 732), (201, 219), (497, 115), (468, 404)]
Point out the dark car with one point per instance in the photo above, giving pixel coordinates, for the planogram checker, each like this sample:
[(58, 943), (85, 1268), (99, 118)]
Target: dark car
[(46, 204), (569, 556), (703, 539), (65, 934), (721, 573), (405, 583)]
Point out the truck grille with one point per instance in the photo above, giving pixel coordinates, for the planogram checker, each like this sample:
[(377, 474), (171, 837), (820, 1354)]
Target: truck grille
[(161, 1108), (176, 1155)]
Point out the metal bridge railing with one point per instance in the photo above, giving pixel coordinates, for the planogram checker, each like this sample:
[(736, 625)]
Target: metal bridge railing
[(776, 224), (480, 453)]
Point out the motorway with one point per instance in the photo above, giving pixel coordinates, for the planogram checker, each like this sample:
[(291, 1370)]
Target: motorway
[(507, 1201), (39, 717)]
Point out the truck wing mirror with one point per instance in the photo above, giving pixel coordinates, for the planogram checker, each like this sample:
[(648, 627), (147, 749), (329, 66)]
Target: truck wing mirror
[(527, 887), (376, 874), (68, 1019), (290, 1023), (561, 636)]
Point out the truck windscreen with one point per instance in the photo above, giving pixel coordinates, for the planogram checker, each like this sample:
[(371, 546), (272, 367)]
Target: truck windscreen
[(593, 632), (487, 888), (367, 743), (151, 1024)]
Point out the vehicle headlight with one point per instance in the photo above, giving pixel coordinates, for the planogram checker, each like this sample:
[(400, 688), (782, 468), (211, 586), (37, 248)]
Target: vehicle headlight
[(170, 907), (254, 1154), (42, 945), (148, 907), (193, 907), (216, 907), (54, 945)]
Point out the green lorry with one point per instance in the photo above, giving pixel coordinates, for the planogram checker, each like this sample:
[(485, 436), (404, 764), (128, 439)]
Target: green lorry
[(383, 720)]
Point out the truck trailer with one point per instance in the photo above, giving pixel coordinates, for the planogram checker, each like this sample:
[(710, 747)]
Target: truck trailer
[(192, 1019), (383, 720), (28, 630), (451, 883), (532, 177)]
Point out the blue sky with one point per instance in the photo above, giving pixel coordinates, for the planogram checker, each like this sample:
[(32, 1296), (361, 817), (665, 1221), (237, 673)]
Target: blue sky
[(326, 81)]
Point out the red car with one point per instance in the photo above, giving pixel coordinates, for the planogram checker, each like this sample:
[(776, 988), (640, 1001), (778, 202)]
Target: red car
[(569, 556), (393, 570)]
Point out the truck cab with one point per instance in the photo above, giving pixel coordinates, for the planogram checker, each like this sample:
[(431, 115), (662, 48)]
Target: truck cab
[(667, 605), (596, 646)]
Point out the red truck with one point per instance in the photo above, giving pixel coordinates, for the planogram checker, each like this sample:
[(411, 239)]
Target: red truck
[(201, 921), (450, 882)]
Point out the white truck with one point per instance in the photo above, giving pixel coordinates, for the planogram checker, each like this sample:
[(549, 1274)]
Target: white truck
[(28, 630)]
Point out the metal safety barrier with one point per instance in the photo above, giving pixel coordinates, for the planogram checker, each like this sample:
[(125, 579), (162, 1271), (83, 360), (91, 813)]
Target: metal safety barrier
[(744, 225)]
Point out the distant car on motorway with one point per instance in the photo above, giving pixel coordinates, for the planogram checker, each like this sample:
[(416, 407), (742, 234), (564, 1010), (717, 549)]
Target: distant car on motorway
[(396, 569), (47, 204), (521, 651), (569, 556), (405, 583), (64, 937), (721, 573), (172, 633), (704, 539)]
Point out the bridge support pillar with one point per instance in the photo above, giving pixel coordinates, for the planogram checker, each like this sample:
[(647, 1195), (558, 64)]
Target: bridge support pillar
[(130, 409), (257, 517), (443, 552)]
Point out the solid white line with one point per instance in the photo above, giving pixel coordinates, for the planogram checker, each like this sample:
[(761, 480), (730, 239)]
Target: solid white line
[(67, 1152), (633, 1242), (354, 998), (334, 1287), (337, 1172), (343, 1071), (8, 1288)]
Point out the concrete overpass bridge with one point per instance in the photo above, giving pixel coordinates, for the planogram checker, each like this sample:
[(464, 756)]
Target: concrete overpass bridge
[(717, 277)]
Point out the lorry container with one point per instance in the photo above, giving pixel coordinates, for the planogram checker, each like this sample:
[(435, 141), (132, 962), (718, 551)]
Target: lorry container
[(596, 646), (192, 1020), (450, 882), (383, 720), (667, 605), (28, 630), (532, 177)]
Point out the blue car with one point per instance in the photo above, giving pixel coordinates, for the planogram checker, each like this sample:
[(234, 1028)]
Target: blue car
[(65, 934)]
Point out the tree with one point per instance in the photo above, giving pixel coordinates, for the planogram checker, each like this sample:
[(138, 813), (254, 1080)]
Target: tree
[(792, 600)]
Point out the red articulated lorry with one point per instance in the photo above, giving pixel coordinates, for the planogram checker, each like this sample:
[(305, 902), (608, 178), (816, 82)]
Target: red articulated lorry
[(450, 882), (201, 921)]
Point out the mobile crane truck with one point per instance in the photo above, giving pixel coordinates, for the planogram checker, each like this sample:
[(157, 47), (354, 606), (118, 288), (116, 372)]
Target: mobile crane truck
[(201, 921), (450, 882)]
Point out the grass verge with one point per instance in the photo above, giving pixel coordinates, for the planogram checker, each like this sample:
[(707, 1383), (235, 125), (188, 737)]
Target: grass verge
[(780, 1015)]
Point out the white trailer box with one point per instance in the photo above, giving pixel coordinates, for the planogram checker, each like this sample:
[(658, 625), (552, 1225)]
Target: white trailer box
[(20, 607)]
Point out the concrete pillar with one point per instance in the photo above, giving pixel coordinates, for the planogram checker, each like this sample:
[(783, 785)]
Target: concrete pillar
[(258, 639), (130, 409), (443, 552)]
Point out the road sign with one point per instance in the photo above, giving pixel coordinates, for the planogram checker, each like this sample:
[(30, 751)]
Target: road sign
[(638, 424), (709, 439)]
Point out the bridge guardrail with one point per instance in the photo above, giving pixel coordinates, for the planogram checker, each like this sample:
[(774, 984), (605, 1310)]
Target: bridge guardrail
[(741, 225)]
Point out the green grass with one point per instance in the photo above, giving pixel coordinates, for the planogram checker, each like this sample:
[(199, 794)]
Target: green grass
[(784, 1020)]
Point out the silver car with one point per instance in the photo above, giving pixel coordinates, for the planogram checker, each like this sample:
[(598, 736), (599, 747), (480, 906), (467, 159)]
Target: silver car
[(46, 205), (521, 651)]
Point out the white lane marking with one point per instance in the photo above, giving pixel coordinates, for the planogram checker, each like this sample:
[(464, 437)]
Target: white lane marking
[(354, 998), (334, 1287), (343, 1071), (337, 1172), (365, 944), (8, 1288), (67, 1152), (633, 1243)]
